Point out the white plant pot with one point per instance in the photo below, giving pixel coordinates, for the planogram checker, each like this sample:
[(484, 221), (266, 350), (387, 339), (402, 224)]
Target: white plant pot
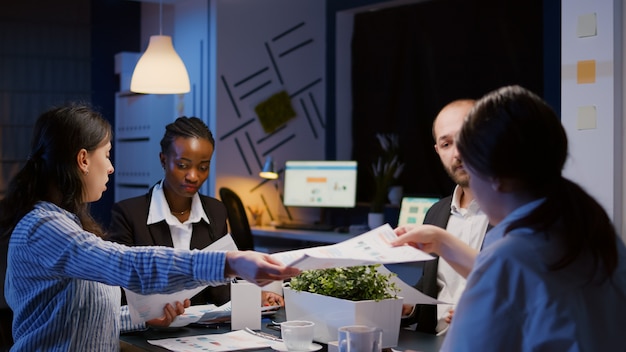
[(330, 313)]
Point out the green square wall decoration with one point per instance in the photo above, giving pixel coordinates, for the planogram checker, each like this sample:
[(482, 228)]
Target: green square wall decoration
[(275, 111)]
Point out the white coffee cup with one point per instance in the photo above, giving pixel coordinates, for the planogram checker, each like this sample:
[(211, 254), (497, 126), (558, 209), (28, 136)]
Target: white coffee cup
[(297, 335), (360, 338)]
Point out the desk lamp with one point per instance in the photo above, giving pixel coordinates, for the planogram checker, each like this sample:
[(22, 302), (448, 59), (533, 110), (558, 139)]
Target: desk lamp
[(268, 171)]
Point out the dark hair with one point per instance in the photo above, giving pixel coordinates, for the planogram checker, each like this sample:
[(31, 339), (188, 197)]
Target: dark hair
[(187, 127), (58, 136), (512, 133)]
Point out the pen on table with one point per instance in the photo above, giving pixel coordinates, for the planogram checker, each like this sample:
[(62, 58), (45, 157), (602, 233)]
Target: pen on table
[(273, 325), (206, 326)]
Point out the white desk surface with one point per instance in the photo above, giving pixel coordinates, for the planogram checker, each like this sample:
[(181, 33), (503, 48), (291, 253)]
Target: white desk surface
[(329, 237)]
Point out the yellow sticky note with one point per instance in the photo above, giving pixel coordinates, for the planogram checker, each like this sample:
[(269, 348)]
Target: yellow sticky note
[(587, 118), (586, 71)]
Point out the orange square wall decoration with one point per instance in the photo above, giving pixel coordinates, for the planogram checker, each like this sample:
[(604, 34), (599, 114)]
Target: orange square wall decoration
[(586, 71)]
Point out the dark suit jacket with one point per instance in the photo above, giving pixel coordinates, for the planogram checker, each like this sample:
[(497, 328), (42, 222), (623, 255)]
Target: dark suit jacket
[(128, 226), (426, 314)]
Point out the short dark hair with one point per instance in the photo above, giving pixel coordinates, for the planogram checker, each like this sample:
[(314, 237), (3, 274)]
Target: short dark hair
[(187, 127)]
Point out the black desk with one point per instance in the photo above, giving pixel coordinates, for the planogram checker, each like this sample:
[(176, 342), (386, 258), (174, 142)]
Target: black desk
[(137, 341), (270, 240), (321, 237)]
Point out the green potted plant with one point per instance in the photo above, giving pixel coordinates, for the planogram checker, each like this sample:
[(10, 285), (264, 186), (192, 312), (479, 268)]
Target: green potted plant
[(336, 297)]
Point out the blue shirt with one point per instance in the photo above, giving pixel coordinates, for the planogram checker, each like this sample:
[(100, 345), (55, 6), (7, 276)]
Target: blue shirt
[(62, 281), (514, 302)]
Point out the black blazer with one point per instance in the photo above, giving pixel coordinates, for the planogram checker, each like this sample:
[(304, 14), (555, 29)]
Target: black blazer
[(128, 227), (426, 314)]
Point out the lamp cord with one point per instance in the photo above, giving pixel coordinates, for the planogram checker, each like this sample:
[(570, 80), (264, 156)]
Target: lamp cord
[(161, 17)]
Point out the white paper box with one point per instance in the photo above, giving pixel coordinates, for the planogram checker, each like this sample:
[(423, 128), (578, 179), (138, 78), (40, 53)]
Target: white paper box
[(330, 313), (246, 305)]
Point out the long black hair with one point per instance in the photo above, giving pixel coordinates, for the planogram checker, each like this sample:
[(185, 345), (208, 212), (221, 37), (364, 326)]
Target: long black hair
[(58, 136), (512, 133)]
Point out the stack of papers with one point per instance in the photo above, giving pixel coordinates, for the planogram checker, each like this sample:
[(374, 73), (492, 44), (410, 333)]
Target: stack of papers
[(372, 247), (211, 314), (146, 307), (230, 341), (208, 312)]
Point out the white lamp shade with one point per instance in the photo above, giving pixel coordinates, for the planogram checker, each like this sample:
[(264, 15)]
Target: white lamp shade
[(160, 70)]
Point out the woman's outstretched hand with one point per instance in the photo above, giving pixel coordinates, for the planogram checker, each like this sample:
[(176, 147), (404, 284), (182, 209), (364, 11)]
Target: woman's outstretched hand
[(169, 314), (258, 268)]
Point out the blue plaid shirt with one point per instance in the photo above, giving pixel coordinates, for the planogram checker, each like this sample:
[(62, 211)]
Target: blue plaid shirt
[(62, 281)]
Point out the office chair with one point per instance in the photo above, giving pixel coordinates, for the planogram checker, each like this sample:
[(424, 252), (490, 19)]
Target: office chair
[(237, 219)]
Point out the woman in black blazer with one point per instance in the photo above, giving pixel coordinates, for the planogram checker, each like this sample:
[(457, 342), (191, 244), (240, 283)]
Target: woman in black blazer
[(173, 213)]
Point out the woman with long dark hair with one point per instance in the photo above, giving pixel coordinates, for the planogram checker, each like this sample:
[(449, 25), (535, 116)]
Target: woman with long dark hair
[(552, 273), (62, 278)]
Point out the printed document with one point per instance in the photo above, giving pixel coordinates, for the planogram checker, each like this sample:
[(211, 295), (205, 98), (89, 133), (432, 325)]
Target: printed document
[(146, 307), (231, 341), (372, 247), (409, 294)]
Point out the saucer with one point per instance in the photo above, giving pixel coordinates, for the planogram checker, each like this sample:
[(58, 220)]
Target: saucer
[(280, 346)]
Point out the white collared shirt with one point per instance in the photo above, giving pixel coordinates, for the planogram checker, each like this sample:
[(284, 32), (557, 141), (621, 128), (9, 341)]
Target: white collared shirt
[(469, 225), (160, 210)]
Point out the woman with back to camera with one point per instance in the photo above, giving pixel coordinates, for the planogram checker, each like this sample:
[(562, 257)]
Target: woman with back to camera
[(62, 278), (173, 213), (552, 273)]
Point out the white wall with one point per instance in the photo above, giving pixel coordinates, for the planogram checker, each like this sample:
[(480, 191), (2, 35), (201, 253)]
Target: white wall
[(141, 119), (596, 152), (191, 41), (238, 53), (596, 155), (260, 48)]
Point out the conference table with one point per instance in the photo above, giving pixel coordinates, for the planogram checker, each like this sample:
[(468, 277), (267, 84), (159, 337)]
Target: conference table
[(138, 341)]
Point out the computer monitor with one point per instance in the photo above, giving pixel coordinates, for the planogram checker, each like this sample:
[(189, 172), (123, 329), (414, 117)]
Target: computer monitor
[(413, 210), (325, 184)]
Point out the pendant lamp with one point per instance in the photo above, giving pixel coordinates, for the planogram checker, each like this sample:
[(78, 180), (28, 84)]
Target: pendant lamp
[(160, 70)]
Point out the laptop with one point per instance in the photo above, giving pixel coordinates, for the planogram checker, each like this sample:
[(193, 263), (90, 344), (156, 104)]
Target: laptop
[(413, 210)]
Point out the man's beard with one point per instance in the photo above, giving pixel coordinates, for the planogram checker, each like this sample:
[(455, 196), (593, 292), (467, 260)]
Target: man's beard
[(461, 178)]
